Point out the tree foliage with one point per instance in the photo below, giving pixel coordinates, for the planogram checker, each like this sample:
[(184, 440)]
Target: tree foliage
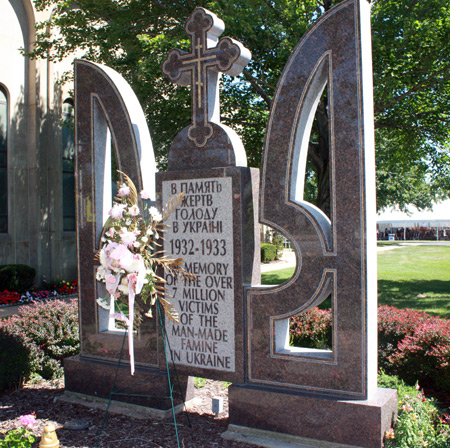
[(411, 77)]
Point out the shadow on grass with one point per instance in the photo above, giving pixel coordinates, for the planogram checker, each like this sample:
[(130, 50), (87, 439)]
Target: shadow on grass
[(432, 296)]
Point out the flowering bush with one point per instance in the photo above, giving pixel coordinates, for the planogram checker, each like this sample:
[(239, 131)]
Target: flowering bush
[(48, 332), (50, 291), (311, 329), (393, 326), (9, 297), (22, 437), (128, 257), (424, 355), (420, 422)]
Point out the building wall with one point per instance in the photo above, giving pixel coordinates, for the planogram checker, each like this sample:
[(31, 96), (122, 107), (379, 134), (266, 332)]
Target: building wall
[(35, 233)]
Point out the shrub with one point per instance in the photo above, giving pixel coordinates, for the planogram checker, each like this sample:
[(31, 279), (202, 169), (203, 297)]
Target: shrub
[(424, 355), (16, 277), (15, 360), (419, 422), (393, 326), (311, 329), (50, 331), (268, 252)]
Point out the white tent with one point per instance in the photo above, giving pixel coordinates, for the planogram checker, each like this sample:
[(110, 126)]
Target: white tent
[(436, 220)]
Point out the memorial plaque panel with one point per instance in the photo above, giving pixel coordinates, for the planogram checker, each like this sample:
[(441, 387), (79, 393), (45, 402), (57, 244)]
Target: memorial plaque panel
[(213, 231), (200, 231)]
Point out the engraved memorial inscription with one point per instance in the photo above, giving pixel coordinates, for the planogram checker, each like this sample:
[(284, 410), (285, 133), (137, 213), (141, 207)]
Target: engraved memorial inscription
[(200, 231)]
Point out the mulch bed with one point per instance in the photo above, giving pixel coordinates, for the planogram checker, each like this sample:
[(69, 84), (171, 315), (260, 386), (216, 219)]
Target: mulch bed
[(119, 431)]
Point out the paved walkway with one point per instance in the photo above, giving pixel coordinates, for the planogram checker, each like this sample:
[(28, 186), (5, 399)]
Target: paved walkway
[(287, 261)]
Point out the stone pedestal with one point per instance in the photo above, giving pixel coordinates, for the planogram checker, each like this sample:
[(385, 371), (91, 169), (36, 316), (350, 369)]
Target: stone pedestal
[(360, 423), (150, 385)]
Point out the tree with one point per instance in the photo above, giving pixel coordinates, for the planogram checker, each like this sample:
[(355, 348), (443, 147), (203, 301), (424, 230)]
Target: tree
[(411, 89), (411, 77)]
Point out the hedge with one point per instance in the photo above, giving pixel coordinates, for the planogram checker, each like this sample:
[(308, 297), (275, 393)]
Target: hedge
[(16, 277), (268, 252)]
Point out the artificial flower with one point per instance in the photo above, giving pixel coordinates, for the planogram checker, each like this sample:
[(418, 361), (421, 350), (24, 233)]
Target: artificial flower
[(124, 190)]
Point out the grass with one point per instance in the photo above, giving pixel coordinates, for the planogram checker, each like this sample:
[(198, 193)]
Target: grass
[(416, 277), (277, 277)]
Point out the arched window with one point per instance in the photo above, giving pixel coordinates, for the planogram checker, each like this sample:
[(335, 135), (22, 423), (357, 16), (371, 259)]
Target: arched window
[(68, 170), (3, 161)]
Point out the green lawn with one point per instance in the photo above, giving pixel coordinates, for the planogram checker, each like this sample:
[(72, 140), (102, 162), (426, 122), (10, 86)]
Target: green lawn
[(415, 277), (277, 277)]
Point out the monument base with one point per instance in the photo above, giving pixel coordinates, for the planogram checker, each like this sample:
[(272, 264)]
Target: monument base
[(149, 387), (122, 408), (357, 423)]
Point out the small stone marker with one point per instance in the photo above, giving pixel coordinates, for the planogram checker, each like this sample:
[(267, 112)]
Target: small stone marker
[(77, 424), (217, 405)]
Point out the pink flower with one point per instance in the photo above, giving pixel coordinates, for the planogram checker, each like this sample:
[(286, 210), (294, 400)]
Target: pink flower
[(124, 191), (136, 281), (145, 194), (390, 434), (110, 232), (28, 420), (117, 211), (111, 279)]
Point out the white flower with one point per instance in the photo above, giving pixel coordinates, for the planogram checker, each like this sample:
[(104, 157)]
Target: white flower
[(104, 303), (156, 216), (128, 238), (124, 190), (103, 257), (145, 194), (133, 210), (101, 273), (123, 287)]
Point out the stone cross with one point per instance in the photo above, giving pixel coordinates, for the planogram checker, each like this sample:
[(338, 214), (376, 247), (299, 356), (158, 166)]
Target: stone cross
[(200, 68)]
